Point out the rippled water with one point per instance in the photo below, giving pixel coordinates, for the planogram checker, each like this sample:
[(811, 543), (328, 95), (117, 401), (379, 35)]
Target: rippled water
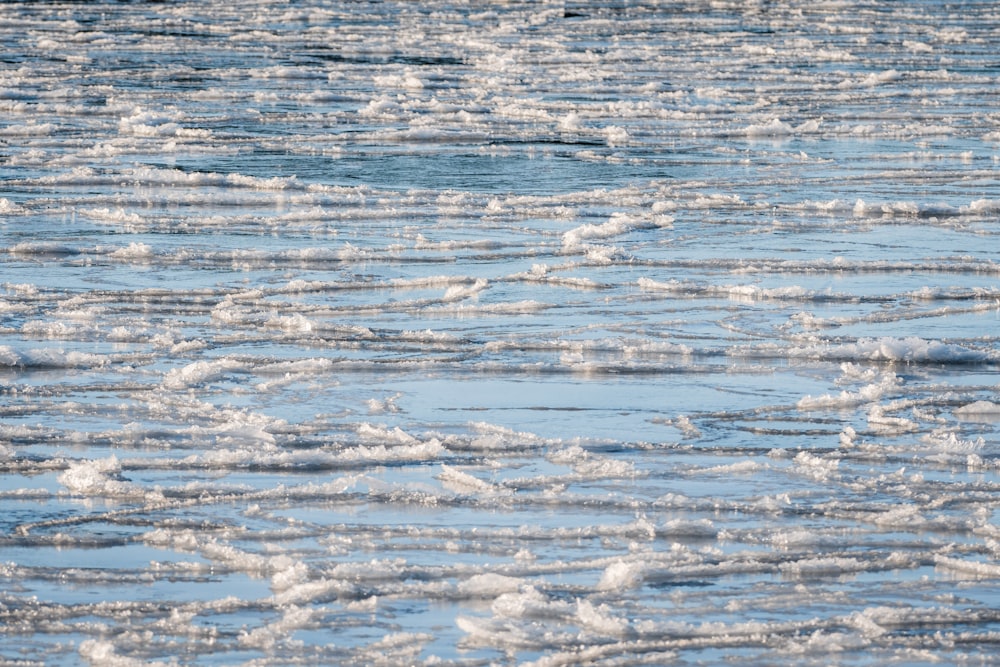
[(444, 333)]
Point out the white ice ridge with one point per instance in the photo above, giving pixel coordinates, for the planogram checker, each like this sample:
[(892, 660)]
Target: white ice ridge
[(200, 372), (102, 478), (462, 482), (619, 224), (104, 653), (151, 176), (775, 127), (978, 410), (869, 393), (687, 289), (50, 358), (911, 349)]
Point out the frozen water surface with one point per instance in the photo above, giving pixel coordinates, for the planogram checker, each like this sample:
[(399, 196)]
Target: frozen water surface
[(499, 333)]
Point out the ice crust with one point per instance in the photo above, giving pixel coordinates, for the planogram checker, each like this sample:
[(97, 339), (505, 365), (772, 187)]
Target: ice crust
[(452, 333)]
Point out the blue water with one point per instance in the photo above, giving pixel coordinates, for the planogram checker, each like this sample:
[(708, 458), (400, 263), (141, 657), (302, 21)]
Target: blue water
[(553, 333)]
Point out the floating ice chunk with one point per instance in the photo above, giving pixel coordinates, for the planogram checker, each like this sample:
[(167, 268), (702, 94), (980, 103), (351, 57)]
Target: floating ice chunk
[(43, 248), (407, 80), (55, 330), (641, 528), (381, 406), (983, 206), (698, 528), (684, 424), (525, 602), (395, 436), (977, 569), (397, 648), (102, 653), (255, 565), (846, 399), (228, 312), (910, 349), (603, 254), (567, 455), (309, 591), (382, 105), (881, 423), (744, 293), (130, 221), (432, 281), (747, 467), (246, 428), (717, 200), (28, 130), (949, 443), (776, 503), (296, 323), (621, 575), (460, 292), (309, 255), (598, 619), (7, 207), (268, 636), (134, 251), (349, 251), (295, 573), (462, 482), (866, 622), (513, 307), (127, 334), (872, 80), (258, 183), (570, 122), (823, 206), (794, 537), (818, 468), (901, 517), (149, 123), (489, 585), (671, 285), (592, 466), (808, 127), (48, 358), (616, 136), (417, 451), (493, 437), (619, 223), (650, 348), (822, 642), (851, 372), (100, 477), (914, 46), (980, 411), (823, 566), (773, 128), (199, 372), (943, 352), (906, 208), (951, 35)]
